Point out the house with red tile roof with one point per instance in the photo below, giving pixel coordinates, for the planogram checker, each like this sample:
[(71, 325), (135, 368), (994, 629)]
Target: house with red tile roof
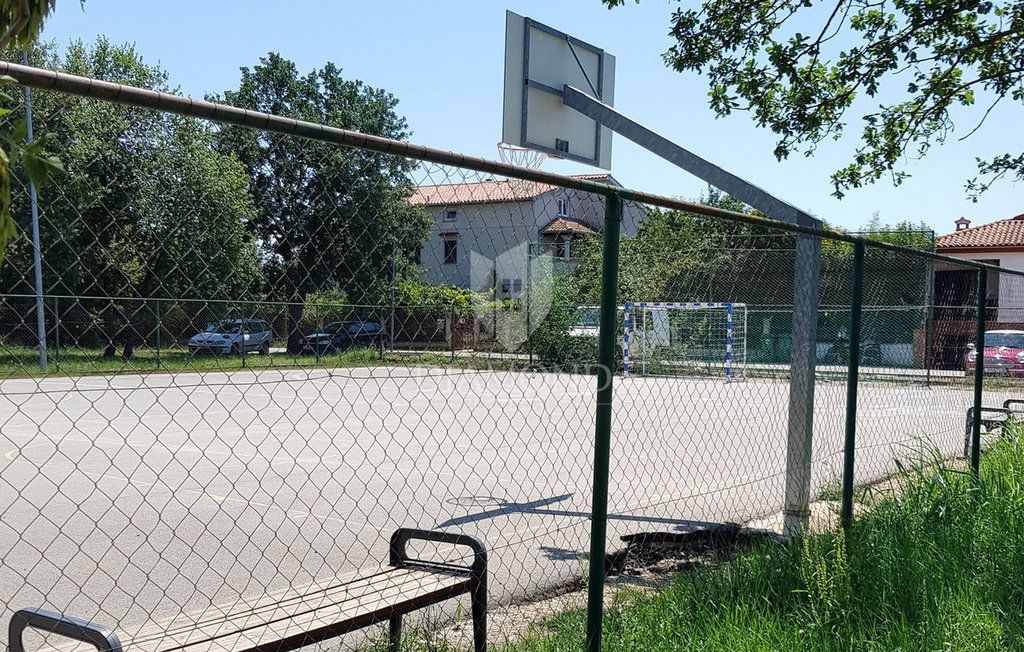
[(1000, 237), (998, 243), (487, 234)]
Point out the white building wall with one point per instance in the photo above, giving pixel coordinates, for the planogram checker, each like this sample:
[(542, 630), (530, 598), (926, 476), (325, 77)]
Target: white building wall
[(493, 239), (488, 235)]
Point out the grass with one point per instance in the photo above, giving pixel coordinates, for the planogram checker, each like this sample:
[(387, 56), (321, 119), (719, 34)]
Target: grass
[(833, 491), (939, 566), (21, 362)]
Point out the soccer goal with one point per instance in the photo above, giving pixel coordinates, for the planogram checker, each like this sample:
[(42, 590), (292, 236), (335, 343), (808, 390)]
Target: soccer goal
[(685, 338)]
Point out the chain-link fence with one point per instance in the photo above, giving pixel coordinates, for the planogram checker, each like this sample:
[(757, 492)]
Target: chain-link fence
[(261, 347)]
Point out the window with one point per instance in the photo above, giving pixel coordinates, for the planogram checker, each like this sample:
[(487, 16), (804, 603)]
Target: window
[(506, 286), (417, 254), (561, 249), (517, 285), (449, 216), (451, 251), (563, 208), (562, 146), (371, 328)]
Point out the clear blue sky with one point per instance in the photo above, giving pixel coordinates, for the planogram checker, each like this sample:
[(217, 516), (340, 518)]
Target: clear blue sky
[(443, 60)]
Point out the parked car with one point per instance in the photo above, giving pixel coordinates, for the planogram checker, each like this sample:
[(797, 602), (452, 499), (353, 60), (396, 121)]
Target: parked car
[(343, 335), (233, 336), (870, 353), (1003, 354)]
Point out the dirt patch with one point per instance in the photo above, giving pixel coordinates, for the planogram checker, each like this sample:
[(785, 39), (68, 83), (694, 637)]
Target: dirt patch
[(646, 562)]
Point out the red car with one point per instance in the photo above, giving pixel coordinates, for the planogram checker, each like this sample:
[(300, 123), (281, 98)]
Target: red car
[(1004, 354)]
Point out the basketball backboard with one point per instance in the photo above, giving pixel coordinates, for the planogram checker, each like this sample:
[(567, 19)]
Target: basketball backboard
[(539, 62)]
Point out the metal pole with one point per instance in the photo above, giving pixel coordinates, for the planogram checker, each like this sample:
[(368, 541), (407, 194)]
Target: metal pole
[(603, 419), (979, 371), (494, 309), (158, 327), (803, 358), (852, 373), (929, 316), (56, 332), (391, 318), (529, 291), (319, 328), (37, 256), (241, 333)]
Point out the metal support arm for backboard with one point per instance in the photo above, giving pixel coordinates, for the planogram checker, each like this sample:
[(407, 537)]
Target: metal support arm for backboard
[(806, 283)]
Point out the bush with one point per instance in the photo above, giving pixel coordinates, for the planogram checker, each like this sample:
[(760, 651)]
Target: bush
[(551, 341), (456, 300)]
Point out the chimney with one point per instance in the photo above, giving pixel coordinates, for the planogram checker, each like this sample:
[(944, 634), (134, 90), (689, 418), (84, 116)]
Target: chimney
[(962, 224)]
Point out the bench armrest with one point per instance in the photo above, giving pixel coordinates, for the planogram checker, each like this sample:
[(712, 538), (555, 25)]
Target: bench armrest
[(991, 410), (399, 555), (103, 638), (1012, 401)]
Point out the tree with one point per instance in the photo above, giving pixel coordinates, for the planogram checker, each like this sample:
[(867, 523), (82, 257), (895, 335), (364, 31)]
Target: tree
[(798, 66), (904, 233), (146, 208), (327, 217), (20, 22), (679, 256)]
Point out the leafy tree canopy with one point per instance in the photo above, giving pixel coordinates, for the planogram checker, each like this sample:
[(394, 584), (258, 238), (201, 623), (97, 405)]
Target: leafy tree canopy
[(680, 256), (799, 65), (20, 22), (327, 217), (146, 206)]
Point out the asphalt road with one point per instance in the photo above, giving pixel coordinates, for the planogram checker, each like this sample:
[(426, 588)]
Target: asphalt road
[(131, 498)]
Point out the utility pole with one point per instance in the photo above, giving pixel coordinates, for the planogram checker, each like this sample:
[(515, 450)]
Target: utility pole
[(37, 262)]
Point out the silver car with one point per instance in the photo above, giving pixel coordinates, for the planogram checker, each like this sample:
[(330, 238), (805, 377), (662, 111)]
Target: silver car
[(233, 336)]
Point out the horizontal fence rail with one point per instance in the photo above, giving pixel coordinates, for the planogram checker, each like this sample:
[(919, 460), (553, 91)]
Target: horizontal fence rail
[(226, 114)]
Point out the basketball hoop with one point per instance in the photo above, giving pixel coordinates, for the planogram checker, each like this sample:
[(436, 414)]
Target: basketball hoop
[(520, 157)]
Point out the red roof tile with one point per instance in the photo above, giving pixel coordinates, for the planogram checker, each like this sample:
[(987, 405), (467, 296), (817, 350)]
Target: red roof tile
[(562, 225), (1004, 233), (488, 192)]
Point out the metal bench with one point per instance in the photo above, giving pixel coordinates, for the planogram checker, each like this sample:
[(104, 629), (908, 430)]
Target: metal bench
[(287, 622), (1005, 415)]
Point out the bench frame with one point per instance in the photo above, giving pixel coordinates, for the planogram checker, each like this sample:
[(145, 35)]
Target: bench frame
[(104, 639), (989, 423)]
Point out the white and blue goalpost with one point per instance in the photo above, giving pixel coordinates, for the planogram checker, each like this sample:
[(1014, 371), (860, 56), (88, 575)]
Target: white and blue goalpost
[(677, 338)]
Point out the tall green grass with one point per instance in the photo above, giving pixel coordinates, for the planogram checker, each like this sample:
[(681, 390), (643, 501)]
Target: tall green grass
[(937, 566)]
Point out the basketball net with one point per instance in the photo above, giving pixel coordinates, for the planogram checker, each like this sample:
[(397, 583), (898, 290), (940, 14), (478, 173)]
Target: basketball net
[(521, 157)]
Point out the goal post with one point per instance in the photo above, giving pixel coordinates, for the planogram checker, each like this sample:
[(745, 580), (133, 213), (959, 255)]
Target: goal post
[(669, 338)]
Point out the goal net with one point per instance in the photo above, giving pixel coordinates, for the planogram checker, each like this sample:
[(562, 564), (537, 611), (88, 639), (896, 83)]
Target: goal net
[(680, 339)]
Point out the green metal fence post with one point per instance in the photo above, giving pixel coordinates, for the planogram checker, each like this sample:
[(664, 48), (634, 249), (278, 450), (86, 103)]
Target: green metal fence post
[(852, 378), (158, 327), (56, 332), (979, 371), (529, 291), (319, 329), (603, 419)]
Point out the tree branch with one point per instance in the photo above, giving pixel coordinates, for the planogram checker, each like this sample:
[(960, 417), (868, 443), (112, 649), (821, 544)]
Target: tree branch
[(19, 24)]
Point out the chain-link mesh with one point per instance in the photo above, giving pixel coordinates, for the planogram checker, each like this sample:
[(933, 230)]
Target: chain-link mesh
[(263, 355)]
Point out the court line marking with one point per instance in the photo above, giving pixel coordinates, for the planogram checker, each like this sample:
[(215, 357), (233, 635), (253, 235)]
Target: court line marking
[(220, 499)]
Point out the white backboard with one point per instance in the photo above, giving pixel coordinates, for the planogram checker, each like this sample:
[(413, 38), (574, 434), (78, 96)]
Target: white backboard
[(539, 62)]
